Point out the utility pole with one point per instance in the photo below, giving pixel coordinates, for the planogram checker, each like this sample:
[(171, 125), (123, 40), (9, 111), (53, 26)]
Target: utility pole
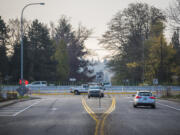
[(143, 59), (22, 36), (161, 49)]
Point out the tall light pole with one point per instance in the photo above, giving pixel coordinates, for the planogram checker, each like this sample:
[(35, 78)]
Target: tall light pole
[(22, 35)]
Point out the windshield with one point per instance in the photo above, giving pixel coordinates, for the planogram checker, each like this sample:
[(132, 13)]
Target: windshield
[(95, 87), (145, 94)]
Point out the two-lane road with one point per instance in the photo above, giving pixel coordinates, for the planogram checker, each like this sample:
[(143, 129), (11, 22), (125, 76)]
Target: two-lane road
[(127, 120), (68, 115)]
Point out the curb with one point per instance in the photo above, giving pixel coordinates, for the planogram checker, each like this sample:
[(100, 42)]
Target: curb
[(107, 93), (7, 103), (52, 94)]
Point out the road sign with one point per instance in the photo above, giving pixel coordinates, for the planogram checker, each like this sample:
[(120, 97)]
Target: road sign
[(22, 90), (155, 81)]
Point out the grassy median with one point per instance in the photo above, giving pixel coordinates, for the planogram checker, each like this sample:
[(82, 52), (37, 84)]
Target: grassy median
[(172, 97)]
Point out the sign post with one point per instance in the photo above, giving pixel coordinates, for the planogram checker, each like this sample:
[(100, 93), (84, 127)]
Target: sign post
[(155, 83)]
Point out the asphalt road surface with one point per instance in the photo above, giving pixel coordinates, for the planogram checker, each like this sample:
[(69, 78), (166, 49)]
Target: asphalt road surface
[(78, 115), (126, 120)]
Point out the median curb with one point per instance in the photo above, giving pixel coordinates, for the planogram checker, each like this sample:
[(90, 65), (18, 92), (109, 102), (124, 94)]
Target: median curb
[(34, 94), (107, 93)]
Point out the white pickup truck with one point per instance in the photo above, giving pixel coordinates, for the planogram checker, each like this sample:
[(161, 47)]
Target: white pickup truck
[(80, 89)]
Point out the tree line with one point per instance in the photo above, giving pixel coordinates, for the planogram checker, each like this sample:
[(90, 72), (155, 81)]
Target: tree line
[(55, 53), (135, 36), (140, 49)]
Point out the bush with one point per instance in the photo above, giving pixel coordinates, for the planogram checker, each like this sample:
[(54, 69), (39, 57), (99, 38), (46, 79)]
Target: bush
[(12, 95), (1, 96)]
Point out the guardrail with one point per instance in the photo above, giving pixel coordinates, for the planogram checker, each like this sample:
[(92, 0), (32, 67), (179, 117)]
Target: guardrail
[(58, 90), (113, 88)]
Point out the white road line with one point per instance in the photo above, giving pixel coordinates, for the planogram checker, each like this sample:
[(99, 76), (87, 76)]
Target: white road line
[(168, 106), (26, 108), (131, 101), (6, 115), (54, 109)]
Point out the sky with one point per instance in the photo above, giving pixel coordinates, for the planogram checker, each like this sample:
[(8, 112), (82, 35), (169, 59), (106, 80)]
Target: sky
[(94, 14)]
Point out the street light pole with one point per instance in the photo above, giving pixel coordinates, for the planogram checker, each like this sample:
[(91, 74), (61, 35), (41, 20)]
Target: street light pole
[(22, 36)]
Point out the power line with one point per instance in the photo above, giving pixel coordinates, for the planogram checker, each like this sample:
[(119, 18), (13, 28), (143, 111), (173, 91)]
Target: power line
[(94, 37)]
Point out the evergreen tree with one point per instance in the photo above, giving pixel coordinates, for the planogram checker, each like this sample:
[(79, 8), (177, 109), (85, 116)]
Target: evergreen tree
[(160, 55), (74, 40), (176, 61), (175, 40), (3, 49), (15, 69), (61, 57), (40, 51)]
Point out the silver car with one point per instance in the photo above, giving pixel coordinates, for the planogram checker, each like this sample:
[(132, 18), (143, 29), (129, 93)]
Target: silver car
[(144, 98)]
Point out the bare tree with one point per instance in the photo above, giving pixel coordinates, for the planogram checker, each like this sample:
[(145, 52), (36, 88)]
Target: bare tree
[(14, 31), (173, 12)]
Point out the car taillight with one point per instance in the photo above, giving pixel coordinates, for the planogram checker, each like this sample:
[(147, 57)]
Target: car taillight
[(152, 97), (138, 97)]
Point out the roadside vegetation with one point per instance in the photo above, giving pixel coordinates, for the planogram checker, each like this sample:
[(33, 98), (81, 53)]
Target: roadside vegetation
[(54, 53), (6, 96), (140, 49), (172, 97), (169, 94)]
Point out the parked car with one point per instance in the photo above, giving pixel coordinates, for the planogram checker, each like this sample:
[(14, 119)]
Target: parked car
[(37, 84), (144, 98), (95, 91)]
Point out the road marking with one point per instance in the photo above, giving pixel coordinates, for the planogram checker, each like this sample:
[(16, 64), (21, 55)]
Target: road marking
[(168, 106), (91, 113), (6, 115), (111, 109), (26, 108), (94, 116), (54, 109), (68, 93), (131, 101), (52, 94)]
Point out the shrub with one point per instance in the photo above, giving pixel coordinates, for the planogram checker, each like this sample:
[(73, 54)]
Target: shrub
[(11, 95)]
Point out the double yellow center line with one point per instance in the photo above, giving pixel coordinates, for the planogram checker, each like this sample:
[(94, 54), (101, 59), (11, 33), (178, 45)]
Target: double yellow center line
[(100, 121)]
